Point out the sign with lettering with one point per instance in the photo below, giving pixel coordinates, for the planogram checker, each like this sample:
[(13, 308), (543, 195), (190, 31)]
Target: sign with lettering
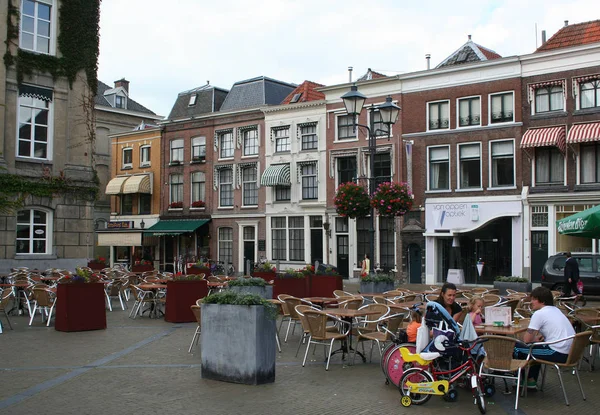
[(122, 224), (464, 214)]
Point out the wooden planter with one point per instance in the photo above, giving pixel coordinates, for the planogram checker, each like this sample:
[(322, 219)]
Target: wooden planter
[(80, 307), (180, 296), (95, 266), (524, 287), (193, 270), (298, 287), (324, 285), (142, 268), (376, 287), (238, 344), (265, 292)]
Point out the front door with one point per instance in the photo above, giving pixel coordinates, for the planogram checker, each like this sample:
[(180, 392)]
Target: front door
[(316, 246), (169, 255), (343, 257), (414, 264), (539, 254), (248, 255)]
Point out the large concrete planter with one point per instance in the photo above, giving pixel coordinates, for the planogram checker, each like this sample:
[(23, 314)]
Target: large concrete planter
[(265, 292), (238, 344), (376, 287), (524, 287)]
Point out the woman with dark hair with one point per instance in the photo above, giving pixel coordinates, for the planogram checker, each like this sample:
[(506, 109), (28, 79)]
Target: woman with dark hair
[(446, 300)]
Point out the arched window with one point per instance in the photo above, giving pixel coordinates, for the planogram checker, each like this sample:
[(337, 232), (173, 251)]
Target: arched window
[(34, 229)]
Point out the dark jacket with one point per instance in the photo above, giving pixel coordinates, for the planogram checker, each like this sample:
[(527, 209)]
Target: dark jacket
[(571, 270)]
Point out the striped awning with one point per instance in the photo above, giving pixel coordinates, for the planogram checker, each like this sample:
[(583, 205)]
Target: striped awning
[(115, 186), (584, 133), (545, 137), (276, 175), (140, 183)]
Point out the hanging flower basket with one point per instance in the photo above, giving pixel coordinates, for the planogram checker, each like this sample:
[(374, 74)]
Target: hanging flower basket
[(392, 199), (352, 200)]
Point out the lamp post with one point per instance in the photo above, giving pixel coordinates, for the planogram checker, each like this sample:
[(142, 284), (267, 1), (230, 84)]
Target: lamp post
[(388, 111)]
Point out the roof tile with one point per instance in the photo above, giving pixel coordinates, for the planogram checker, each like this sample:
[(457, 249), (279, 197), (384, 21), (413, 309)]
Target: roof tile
[(573, 35), (308, 91)]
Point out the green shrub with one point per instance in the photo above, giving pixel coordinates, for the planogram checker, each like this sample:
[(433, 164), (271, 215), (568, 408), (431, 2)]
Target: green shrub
[(232, 298), (378, 278), (511, 279), (247, 282)]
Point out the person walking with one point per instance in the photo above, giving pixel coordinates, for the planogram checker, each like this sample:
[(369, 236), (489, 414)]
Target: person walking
[(571, 275), (366, 266)]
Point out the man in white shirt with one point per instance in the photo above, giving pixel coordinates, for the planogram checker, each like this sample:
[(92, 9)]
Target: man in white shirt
[(550, 324)]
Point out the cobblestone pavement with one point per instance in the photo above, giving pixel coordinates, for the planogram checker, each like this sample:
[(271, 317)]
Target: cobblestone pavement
[(143, 366)]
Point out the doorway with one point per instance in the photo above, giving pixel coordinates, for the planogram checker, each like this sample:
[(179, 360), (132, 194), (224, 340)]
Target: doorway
[(249, 245), (169, 254), (343, 257), (316, 239), (414, 264), (539, 254)]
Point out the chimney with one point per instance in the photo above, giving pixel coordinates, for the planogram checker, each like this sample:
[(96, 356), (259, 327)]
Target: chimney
[(124, 83), (469, 37), (543, 37), (566, 23), (428, 59), (349, 73)]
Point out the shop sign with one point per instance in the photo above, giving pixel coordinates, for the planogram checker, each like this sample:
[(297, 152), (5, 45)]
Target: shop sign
[(122, 224)]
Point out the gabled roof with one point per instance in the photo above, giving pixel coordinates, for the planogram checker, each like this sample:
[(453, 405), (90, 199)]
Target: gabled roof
[(256, 92), (371, 74), (132, 105), (304, 92), (573, 35), (207, 99), (468, 53)]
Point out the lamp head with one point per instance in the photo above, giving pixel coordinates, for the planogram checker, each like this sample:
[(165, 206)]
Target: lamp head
[(353, 101), (389, 112)]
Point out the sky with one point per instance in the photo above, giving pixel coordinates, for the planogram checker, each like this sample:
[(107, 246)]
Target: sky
[(164, 48)]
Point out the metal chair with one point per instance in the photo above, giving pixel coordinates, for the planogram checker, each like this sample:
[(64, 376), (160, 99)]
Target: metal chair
[(5, 297), (318, 333), (197, 310), (43, 299)]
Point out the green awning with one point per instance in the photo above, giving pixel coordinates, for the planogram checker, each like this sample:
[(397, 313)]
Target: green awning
[(174, 227), (585, 224), (276, 175)]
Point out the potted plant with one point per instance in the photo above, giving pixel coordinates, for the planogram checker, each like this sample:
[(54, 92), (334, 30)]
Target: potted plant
[(182, 292), (392, 199), (142, 265), (264, 270), (324, 282), (80, 302), (255, 286), (292, 282), (513, 282), (352, 200), (199, 204), (200, 267), (238, 338), (176, 205), (376, 283), (97, 263)]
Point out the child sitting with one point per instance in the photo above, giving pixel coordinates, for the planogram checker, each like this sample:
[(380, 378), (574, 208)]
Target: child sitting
[(411, 330), (475, 310)]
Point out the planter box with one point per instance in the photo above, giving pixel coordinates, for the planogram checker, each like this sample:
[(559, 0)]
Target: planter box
[(80, 307), (298, 287), (267, 276), (524, 287), (142, 268), (96, 266), (324, 285), (180, 296), (238, 344), (376, 287), (265, 292), (198, 270)]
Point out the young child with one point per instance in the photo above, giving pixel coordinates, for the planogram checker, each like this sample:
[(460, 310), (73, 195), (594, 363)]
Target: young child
[(475, 310), (411, 330)]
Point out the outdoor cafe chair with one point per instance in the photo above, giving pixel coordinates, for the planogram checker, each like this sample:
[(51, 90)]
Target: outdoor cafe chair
[(352, 303), (6, 297), (523, 312), (43, 300), (317, 322), (292, 318), (197, 310), (115, 288), (300, 309), (341, 293), (387, 327), (140, 297), (509, 303), (491, 300), (595, 342)]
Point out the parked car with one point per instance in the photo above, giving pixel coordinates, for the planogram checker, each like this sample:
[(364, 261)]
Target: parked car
[(553, 275)]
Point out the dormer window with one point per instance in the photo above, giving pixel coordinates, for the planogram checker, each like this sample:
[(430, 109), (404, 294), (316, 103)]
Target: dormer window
[(119, 101), (192, 100)]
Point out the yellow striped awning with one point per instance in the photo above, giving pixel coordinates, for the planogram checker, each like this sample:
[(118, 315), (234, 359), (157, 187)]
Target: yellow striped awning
[(584, 133), (276, 175), (115, 186), (140, 183)]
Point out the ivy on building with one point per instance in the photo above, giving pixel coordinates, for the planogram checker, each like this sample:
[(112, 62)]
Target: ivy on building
[(46, 186), (78, 44)]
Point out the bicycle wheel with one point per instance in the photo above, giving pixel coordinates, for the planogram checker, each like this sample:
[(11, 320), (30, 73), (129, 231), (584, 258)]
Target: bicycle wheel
[(478, 394), (394, 366), (415, 375)]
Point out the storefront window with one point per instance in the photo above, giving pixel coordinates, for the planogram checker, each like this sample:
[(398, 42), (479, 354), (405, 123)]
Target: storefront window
[(571, 243)]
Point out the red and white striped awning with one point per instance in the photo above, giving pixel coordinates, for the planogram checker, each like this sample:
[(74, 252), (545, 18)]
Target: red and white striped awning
[(545, 137), (584, 133)]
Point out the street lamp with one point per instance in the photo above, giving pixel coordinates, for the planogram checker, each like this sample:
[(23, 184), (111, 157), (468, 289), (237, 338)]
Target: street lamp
[(388, 111)]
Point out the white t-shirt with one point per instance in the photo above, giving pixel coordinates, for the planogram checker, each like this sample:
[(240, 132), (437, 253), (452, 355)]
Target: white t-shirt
[(553, 325)]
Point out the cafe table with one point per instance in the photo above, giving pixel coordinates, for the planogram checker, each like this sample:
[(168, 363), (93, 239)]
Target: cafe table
[(510, 331), (322, 301), (154, 288), (348, 315)]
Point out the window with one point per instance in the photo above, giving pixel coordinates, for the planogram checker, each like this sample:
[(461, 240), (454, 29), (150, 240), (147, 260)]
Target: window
[(127, 204), (127, 158), (177, 150), (363, 238), (382, 168), (308, 136), (439, 115), (250, 142), (439, 168), (226, 245), (176, 188), (469, 112), (503, 163), (310, 187), (119, 101), (282, 140), (502, 108), (345, 127), (198, 186), (283, 193), (33, 229), (145, 156), (590, 163), (387, 248), (198, 148), (590, 94), (278, 238), (249, 186), (549, 166), (346, 169), (379, 128), (470, 166), (549, 98), (226, 143), (35, 134), (192, 100), (35, 26), (226, 187), (296, 224), (145, 204)]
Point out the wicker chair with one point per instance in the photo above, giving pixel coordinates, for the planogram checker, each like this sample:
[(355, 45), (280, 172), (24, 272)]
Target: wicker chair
[(491, 300), (499, 361), (197, 310), (116, 288), (293, 317), (140, 297), (5, 298), (341, 293), (352, 303), (386, 328), (43, 300), (509, 303), (318, 333), (523, 312), (301, 309), (595, 342)]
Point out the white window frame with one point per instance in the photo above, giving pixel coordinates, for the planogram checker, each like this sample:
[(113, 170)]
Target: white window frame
[(441, 101), (372, 109), (302, 135), (490, 108), (244, 135), (53, 20), (578, 99), (337, 131), (579, 156), (491, 165), (148, 162), (192, 100), (458, 162), (219, 241), (244, 182), (201, 188), (123, 164), (49, 133), (533, 175), (221, 147), (288, 138), (171, 183), (49, 231), (316, 177), (534, 106), (198, 142), (449, 189), (174, 157), (123, 101), (458, 100), (227, 183)]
